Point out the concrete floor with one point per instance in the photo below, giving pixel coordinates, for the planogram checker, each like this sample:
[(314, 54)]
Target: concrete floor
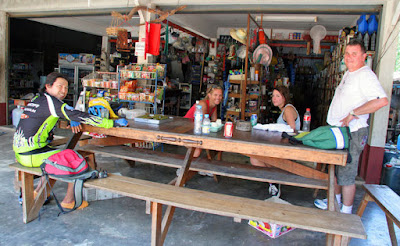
[(122, 221)]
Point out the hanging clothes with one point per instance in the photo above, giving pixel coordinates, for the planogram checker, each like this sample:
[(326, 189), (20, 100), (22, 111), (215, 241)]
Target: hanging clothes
[(154, 39)]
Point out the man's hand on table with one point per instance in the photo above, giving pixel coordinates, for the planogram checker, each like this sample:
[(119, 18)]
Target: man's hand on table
[(121, 122), (75, 126)]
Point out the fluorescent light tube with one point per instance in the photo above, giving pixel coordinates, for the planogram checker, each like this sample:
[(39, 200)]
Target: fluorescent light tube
[(288, 18)]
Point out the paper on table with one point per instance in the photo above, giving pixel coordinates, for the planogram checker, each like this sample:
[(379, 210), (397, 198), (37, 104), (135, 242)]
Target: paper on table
[(274, 127)]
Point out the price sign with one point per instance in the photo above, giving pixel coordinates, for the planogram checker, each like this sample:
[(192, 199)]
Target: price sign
[(139, 48)]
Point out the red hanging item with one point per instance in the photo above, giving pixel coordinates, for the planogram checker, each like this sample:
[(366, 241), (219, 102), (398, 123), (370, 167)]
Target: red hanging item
[(146, 46), (154, 39), (261, 36)]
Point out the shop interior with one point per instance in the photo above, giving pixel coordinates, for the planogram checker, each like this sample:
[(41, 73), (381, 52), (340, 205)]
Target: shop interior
[(201, 50)]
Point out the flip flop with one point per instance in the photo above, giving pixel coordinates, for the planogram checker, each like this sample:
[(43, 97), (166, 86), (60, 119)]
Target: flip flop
[(72, 204)]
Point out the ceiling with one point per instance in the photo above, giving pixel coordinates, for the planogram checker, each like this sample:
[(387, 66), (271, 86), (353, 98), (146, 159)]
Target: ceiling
[(206, 20), (204, 24)]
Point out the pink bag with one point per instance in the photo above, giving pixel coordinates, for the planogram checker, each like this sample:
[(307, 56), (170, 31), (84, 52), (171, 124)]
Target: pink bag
[(65, 164)]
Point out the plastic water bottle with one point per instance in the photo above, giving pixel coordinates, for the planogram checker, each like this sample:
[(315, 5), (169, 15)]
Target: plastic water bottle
[(198, 119), (16, 115), (307, 120), (206, 125)]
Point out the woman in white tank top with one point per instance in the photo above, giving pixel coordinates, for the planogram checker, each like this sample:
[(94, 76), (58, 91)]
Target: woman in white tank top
[(289, 116)]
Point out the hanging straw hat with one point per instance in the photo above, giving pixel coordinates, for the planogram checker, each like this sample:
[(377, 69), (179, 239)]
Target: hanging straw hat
[(262, 54), (239, 35)]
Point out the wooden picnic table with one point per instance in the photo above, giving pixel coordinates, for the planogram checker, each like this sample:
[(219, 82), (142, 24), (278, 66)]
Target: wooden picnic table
[(266, 145), (269, 146)]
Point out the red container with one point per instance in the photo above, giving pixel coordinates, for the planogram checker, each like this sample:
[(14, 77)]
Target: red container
[(228, 129)]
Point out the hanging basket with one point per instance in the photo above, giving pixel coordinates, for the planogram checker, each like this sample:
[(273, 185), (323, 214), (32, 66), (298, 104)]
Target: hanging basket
[(113, 31), (116, 22)]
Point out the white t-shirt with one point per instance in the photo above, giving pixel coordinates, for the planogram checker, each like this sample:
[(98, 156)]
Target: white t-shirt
[(355, 89)]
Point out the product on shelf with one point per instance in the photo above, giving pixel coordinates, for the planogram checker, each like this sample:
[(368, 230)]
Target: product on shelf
[(101, 80)]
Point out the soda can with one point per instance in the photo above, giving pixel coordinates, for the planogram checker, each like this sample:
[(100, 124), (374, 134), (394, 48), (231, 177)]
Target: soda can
[(228, 129), (253, 119)]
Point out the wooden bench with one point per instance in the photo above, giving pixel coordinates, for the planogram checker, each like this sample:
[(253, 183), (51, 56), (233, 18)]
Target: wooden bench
[(342, 226), (216, 167), (387, 200)]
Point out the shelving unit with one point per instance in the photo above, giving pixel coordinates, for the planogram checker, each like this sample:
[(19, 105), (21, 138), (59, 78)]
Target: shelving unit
[(186, 98), (149, 76), (239, 96), (21, 80), (100, 81), (244, 97)]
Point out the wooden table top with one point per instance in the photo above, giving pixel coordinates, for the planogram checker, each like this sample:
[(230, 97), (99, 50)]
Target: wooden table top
[(179, 131)]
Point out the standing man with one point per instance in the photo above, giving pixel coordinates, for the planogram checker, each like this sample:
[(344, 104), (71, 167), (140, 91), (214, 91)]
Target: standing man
[(358, 95)]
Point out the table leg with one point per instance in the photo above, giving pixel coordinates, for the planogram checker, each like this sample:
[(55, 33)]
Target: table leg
[(169, 213), (156, 218), (331, 187), (73, 140), (330, 238)]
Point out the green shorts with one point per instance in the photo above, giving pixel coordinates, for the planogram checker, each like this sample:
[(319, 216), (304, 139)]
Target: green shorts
[(36, 159), (346, 175)]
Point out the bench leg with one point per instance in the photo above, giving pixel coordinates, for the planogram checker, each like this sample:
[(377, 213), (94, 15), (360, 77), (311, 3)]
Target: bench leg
[(392, 234), (30, 206), (156, 219), (367, 198), (337, 240), (90, 158)]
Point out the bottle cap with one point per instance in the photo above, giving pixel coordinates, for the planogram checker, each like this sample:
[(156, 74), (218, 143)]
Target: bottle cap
[(308, 109), (206, 116), (197, 101)]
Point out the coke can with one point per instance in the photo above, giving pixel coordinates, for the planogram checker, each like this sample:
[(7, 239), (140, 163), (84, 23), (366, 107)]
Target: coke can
[(253, 119), (228, 129)]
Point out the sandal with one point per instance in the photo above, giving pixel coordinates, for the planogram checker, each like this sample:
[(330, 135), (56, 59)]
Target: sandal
[(71, 205)]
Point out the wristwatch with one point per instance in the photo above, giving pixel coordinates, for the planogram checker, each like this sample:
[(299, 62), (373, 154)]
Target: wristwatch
[(352, 113)]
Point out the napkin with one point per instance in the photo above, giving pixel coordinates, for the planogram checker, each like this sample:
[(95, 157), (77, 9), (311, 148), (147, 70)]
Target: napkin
[(273, 127)]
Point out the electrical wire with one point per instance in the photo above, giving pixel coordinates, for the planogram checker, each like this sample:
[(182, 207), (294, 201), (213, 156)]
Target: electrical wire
[(385, 46)]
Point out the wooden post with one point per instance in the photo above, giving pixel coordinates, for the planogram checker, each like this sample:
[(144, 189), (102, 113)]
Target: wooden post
[(246, 67)]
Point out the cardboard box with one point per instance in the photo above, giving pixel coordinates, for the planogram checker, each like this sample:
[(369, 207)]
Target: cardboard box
[(237, 76), (270, 229), (92, 194), (78, 59)]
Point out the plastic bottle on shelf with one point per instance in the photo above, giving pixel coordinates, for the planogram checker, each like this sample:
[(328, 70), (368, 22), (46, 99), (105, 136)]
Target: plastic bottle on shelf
[(198, 119), (373, 41), (307, 120), (206, 125), (366, 41)]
